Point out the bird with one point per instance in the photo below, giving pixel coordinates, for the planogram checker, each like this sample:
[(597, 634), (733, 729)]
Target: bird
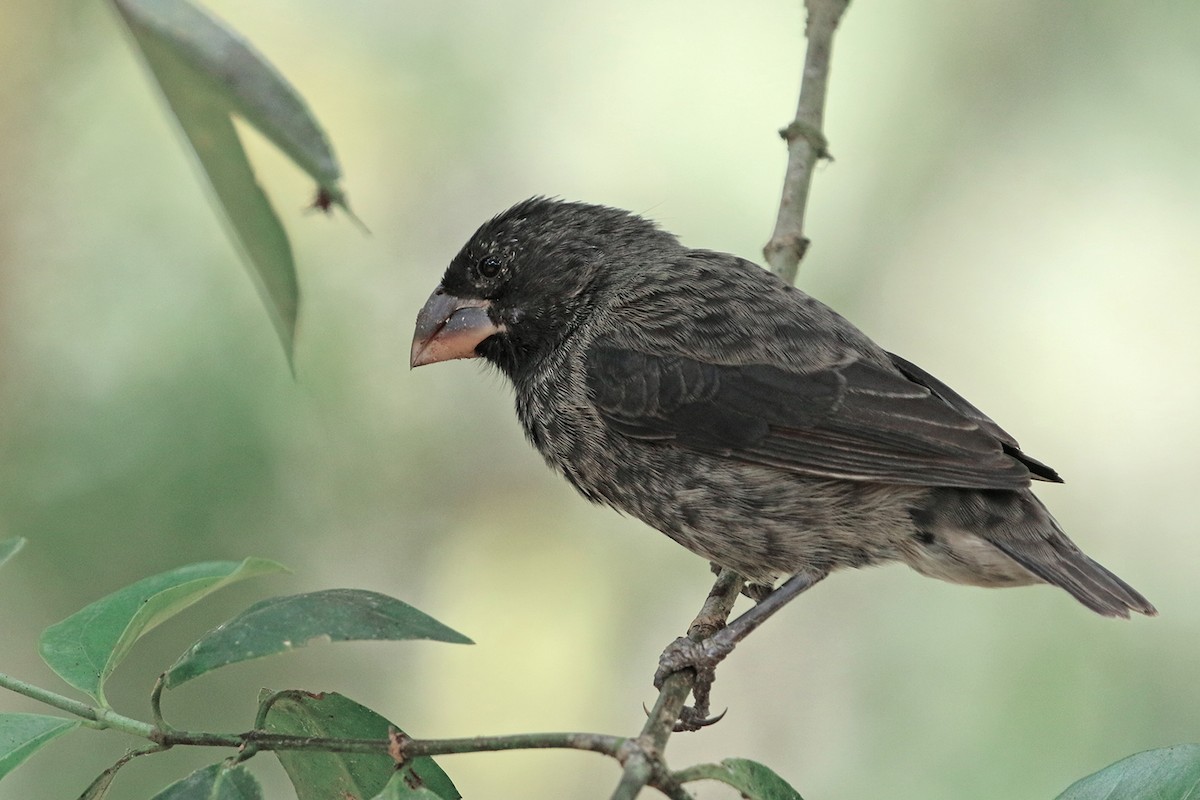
[(749, 422)]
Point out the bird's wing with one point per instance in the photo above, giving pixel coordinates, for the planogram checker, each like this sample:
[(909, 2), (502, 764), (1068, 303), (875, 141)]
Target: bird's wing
[(1037, 469), (851, 419)]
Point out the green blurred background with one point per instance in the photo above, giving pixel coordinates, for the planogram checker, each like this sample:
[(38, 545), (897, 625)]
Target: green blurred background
[(1014, 206)]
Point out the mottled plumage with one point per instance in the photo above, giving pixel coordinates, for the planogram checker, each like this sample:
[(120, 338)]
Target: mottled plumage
[(739, 416)]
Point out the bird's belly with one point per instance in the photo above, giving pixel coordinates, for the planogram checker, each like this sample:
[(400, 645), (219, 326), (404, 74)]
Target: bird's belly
[(762, 522)]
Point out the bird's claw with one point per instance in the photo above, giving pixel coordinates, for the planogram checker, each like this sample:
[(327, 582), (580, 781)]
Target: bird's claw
[(701, 657), (690, 719)]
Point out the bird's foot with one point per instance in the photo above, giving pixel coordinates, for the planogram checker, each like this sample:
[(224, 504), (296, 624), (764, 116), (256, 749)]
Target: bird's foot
[(693, 718), (712, 643), (684, 653), (702, 657)]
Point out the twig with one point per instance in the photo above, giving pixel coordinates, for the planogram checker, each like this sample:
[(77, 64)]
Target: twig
[(806, 142), (164, 736), (590, 742), (646, 751), (806, 145), (95, 716)]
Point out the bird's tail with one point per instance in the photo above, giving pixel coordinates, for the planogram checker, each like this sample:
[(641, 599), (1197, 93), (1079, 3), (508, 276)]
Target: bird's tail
[(1088, 581), (1016, 524)]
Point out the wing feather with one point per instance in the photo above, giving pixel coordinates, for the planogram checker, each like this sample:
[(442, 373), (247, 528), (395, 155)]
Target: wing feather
[(851, 420)]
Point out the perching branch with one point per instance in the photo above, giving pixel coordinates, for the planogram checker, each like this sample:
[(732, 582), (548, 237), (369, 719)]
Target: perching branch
[(165, 736), (402, 747), (646, 750), (806, 141), (806, 145)]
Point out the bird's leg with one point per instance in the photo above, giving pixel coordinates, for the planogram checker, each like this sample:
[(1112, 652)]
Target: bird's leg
[(741, 627), (711, 619), (703, 653)]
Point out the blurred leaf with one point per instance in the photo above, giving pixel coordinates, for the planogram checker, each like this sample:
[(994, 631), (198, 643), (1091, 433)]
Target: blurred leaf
[(215, 782), (22, 735), (98, 789), (1169, 773), (10, 547), (753, 780), (352, 776), (226, 65), (280, 624), (86, 647), (207, 72), (402, 786), (256, 228)]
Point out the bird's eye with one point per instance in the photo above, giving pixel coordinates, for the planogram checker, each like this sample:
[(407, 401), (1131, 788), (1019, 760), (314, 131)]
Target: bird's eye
[(488, 267)]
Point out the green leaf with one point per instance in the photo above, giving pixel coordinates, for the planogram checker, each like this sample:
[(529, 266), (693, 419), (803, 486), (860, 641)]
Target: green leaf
[(255, 227), (98, 789), (753, 780), (87, 646), (280, 624), (215, 782), (227, 66), (22, 735), (403, 785), (208, 72), (10, 547), (1169, 773), (347, 776)]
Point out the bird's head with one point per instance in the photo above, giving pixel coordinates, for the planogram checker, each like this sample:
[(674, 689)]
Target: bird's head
[(527, 279)]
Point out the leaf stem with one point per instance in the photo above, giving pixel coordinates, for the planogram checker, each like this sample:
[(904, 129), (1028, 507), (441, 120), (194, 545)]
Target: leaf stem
[(701, 772), (98, 717)]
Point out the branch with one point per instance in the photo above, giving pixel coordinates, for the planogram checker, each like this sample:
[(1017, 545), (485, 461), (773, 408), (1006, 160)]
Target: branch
[(643, 762), (95, 716), (590, 742), (806, 145), (806, 141), (164, 736)]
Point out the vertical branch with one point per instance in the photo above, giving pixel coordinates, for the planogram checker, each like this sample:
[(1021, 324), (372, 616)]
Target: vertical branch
[(806, 142), (645, 752), (642, 757)]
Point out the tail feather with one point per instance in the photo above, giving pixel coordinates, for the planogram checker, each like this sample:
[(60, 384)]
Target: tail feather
[(1088, 581), (1019, 526)]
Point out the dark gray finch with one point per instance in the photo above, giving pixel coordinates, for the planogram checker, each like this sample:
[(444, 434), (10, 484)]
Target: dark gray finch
[(739, 416)]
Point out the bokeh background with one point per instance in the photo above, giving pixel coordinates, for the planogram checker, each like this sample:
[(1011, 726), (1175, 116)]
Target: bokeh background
[(1015, 205)]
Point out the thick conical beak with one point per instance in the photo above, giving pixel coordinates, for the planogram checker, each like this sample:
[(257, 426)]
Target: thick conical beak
[(450, 327)]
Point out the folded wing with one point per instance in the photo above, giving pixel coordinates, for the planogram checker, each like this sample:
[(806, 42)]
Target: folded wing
[(851, 420)]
